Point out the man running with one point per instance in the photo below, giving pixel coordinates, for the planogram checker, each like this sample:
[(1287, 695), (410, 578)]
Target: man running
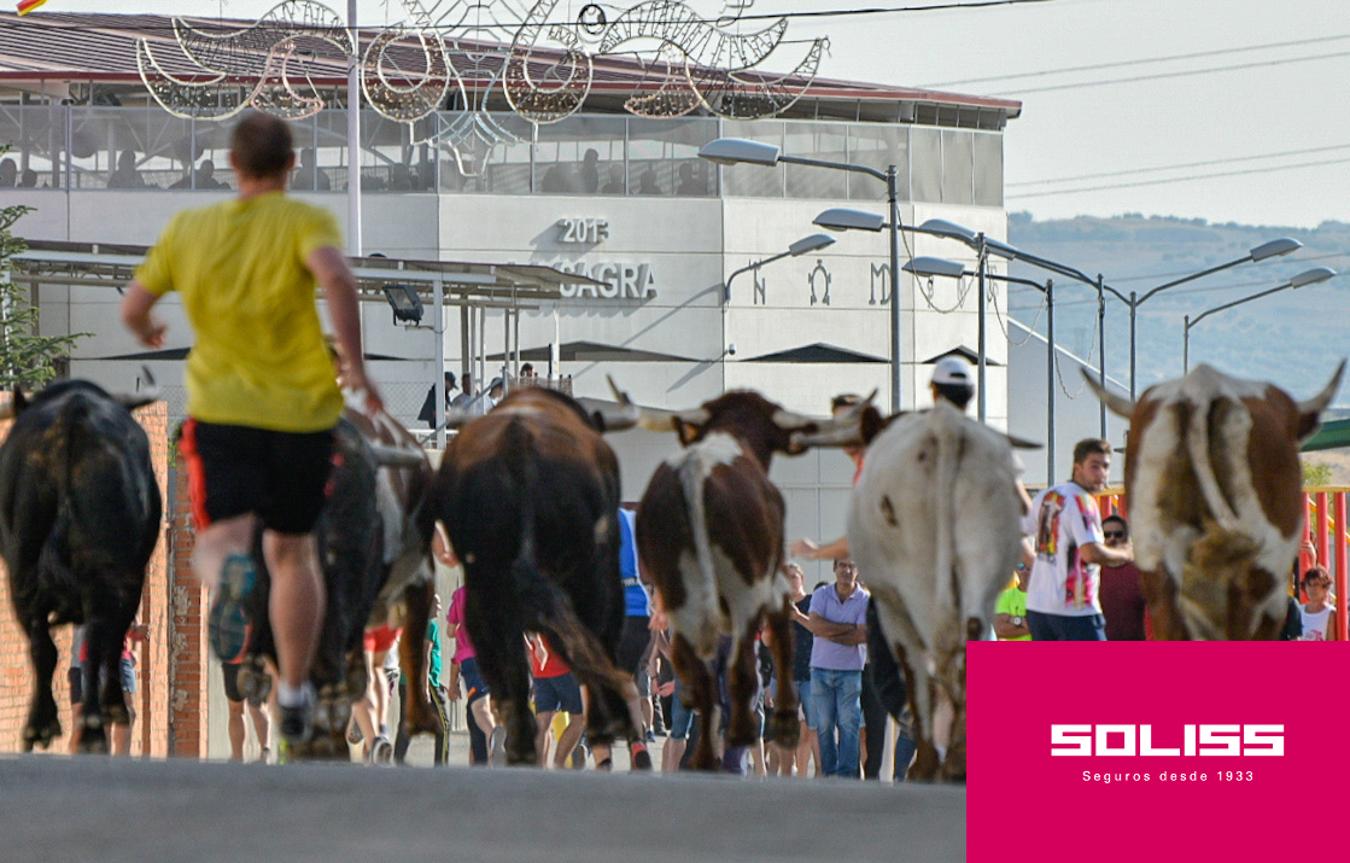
[(262, 400)]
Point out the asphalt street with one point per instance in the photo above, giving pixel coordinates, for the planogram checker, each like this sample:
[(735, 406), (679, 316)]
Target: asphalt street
[(62, 809)]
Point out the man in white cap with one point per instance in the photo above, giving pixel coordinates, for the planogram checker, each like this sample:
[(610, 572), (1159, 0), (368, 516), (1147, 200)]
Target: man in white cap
[(953, 381)]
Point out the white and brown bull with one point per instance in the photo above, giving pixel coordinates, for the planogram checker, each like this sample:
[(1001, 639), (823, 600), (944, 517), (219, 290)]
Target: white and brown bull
[(1214, 486), (710, 538), (934, 526)]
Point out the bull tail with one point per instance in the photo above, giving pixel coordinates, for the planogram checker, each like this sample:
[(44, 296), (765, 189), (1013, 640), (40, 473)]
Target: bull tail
[(1198, 444), (541, 599), (693, 473)]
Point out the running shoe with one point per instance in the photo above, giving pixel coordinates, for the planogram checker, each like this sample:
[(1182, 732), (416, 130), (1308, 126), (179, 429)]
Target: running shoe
[(382, 751), (297, 721), (227, 622)]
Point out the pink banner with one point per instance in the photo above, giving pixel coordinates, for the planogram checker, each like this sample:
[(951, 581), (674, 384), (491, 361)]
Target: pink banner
[(1153, 751)]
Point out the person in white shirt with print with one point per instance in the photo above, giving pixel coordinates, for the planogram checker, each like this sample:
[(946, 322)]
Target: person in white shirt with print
[(1066, 526)]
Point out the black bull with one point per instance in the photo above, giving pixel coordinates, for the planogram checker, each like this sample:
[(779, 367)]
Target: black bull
[(79, 518), (353, 550)]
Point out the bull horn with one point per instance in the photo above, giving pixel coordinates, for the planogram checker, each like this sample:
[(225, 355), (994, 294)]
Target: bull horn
[(388, 456), (1310, 410), (1119, 405), (1023, 443), (143, 397), (844, 435), (652, 419)]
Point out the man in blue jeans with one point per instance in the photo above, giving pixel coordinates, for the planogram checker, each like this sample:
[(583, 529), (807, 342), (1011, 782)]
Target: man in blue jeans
[(839, 623)]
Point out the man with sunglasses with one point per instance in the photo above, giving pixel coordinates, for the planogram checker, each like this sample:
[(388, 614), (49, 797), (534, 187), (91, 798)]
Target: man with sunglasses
[(1122, 588)]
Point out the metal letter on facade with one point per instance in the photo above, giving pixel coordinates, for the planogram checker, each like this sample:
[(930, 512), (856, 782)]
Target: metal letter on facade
[(821, 272)]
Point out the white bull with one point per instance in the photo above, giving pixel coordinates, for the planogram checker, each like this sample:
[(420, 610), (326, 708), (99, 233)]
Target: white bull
[(934, 528)]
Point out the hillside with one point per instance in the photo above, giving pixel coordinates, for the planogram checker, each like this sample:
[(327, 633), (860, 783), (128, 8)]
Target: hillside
[(1294, 338)]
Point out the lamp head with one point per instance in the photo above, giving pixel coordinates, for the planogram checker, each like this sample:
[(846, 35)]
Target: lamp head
[(404, 301), (1275, 248), (944, 228), (929, 267), (732, 151), (813, 243), (848, 219), (1312, 277)]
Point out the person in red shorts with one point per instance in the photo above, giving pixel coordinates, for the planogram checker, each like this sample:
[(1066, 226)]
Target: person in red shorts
[(371, 713)]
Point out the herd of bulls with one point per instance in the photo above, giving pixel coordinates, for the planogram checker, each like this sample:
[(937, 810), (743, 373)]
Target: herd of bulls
[(529, 493)]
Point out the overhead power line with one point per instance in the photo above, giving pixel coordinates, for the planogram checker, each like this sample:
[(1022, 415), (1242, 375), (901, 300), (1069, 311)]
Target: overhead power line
[(719, 20), (1142, 61), (1179, 165), (1181, 74), (1193, 178)]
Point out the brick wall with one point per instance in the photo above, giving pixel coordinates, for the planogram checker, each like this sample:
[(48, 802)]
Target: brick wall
[(170, 702)]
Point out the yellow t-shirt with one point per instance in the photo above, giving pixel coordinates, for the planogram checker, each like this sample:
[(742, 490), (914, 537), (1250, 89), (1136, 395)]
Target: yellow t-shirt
[(1013, 602), (260, 359)]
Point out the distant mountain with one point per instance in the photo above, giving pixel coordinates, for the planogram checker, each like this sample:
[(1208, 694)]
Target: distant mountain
[(1294, 338)]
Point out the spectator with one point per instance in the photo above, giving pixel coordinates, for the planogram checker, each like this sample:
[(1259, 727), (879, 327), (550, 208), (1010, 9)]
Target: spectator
[(431, 692), (239, 705), (589, 173), (494, 395), (527, 374), (371, 713), (647, 184), (690, 184), (206, 176), (1318, 622), (1010, 612), (615, 184), (808, 746), (554, 182), (839, 613), (310, 177), (555, 689), (1122, 588), (120, 737), (28, 179), (400, 178), (1063, 600), (462, 401), (9, 171), (126, 176), (464, 667), (428, 412)]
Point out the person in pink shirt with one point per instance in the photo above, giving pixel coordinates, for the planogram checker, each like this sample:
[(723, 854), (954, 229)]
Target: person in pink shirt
[(464, 664)]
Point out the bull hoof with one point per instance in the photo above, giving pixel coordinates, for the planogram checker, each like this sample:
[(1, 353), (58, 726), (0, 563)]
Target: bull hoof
[(784, 728), (40, 735), (743, 733), (93, 738), (116, 714), (642, 760), (703, 759)]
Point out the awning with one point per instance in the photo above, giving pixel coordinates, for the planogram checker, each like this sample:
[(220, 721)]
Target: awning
[(819, 352), (594, 352), (1333, 435)]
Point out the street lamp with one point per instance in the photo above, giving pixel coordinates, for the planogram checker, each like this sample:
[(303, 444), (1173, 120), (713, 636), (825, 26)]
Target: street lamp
[(933, 267), (732, 151), (1307, 277), (1271, 249), (804, 246)]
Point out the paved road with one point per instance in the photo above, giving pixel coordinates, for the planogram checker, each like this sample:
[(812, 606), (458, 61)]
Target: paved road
[(61, 809)]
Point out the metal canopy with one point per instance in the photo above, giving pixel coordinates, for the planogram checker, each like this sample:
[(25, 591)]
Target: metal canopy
[(464, 283)]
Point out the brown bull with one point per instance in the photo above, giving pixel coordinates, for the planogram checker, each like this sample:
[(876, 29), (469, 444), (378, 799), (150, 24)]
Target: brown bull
[(1215, 489)]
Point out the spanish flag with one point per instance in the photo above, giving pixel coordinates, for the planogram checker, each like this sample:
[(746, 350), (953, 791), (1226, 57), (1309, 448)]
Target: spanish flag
[(26, 6)]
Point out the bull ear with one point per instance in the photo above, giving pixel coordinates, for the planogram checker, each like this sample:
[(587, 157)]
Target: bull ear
[(1119, 405), (1310, 411), (1023, 443)]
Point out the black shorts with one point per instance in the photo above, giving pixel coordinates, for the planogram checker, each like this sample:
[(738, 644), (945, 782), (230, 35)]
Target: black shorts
[(231, 672), (633, 644), (235, 470)]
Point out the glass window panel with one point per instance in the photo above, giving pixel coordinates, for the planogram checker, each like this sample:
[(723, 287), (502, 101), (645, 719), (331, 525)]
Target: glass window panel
[(957, 167), (753, 181), (581, 155), (989, 170), (483, 152), (878, 145), (818, 141), (663, 157), (35, 135), (328, 130), (925, 164)]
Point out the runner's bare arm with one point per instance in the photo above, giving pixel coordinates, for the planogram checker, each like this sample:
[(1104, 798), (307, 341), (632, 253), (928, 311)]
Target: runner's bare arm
[(136, 316), (339, 289)]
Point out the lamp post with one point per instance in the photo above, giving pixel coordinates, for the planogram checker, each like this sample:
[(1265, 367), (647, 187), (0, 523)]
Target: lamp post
[(1307, 277), (1272, 249), (732, 151), (804, 246), (931, 267)]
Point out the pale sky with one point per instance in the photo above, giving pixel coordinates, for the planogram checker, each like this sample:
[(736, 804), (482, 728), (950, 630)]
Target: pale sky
[(1122, 127)]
